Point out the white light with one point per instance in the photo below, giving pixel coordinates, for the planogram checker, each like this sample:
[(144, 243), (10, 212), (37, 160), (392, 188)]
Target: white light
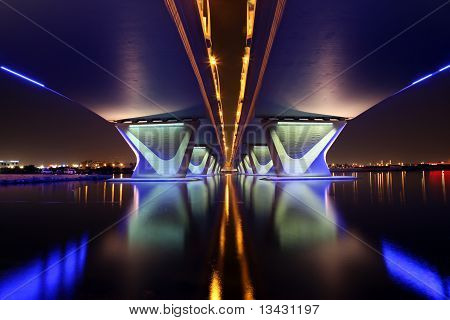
[(444, 68), (158, 125), (304, 123), (421, 79)]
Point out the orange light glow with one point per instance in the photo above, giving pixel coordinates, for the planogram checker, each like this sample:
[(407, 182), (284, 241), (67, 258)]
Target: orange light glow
[(251, 9)]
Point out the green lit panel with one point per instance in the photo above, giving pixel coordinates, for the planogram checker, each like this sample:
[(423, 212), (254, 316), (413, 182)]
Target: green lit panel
[(261, 158), (298, 138), (262, 154), (199, 160), (163, 140), (198, 155)]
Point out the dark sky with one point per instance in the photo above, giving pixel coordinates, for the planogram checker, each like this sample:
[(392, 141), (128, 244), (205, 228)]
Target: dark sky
[(41, 128), (413, 126)]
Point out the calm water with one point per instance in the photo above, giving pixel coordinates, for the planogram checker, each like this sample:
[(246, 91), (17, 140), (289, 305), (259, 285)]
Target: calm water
[(382, 236)]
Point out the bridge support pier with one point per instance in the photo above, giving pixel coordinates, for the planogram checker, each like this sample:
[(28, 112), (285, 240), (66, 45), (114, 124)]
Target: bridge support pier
[(202, 162), (248, 169), (260, 159), (300, 148), (162, 149)]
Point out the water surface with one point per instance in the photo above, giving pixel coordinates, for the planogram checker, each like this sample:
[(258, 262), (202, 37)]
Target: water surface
[(382, 236)]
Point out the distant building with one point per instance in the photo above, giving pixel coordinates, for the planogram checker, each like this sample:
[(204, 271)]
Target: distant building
[(99, 164), (9, 164)]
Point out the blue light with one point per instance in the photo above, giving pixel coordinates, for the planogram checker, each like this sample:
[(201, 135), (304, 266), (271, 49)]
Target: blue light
[(421, 79), (33, 81), (70, 267), (16, 284), (412, 272), (48, 278), (22, 76), (52, 274), (426, 77)]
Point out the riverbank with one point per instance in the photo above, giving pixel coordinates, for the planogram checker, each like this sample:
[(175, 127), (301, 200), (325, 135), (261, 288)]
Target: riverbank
[(46, 178), (424, 167)]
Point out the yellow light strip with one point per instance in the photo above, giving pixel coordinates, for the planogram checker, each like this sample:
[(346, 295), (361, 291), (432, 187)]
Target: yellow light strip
[(251, 9), (205, 16), (170, 4), (247, 286), (275, 23), (216, 285)]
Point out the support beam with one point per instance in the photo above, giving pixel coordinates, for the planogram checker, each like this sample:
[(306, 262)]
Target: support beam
[(247, 165), (211, 165), (201, 161), (261, 160), (241, 168), (217, 168)]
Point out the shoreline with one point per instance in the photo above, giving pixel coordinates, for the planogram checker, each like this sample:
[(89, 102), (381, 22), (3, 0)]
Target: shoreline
[(8, 179), (393, 169)]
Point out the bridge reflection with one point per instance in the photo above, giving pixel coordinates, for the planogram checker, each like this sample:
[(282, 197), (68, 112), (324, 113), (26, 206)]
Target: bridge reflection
[(164, 215), (229, 237), (50, 276), (299, 212)]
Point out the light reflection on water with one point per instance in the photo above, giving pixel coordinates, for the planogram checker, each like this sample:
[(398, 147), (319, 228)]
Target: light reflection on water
[(384, 235), (48, 277), (413, 273)]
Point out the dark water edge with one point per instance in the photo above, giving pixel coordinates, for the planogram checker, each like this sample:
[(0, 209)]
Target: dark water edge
[(7, 179), (383, 236)]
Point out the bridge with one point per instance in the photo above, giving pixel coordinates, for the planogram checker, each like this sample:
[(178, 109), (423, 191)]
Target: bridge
[(150, 69)]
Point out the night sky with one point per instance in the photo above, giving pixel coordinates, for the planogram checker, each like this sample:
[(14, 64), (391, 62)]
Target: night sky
[(41, 128)]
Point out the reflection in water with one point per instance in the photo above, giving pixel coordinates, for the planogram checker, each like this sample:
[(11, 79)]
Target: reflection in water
[(229, 237), (112, 192), (120, 193), (444, 193), (302, 210), (162, 214), (49, 277), (167, 234), (424, 188), (299, 225), (413, 273), (395, 188), (216, 285), (161, 219), (402, 193), (304, 214), (234, 226), (247, 287)]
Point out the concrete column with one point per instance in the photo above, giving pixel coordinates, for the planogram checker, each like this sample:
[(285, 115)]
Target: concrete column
[(162, 149), (300, 148)]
